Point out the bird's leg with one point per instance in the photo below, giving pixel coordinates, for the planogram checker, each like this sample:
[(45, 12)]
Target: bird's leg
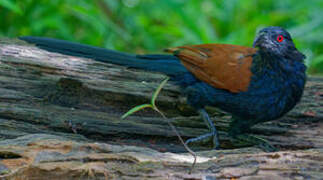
[(238, 131), (211, 127), (260, 142)]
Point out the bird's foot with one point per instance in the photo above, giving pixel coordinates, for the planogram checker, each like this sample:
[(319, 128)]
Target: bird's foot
[(260, 142), (215, 139), (213, 132)]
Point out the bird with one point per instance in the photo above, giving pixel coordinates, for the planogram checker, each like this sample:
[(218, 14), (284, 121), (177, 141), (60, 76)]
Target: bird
[(254, 84)]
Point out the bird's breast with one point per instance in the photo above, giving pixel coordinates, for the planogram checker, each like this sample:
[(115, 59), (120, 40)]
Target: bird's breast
[(274, 93)]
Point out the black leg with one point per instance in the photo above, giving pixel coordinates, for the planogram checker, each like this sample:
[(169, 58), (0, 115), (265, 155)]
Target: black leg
[(260, 142), (239, 129), (213, 132)]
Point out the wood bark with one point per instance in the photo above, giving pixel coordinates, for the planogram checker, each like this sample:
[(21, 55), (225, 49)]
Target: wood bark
[(81, 100)]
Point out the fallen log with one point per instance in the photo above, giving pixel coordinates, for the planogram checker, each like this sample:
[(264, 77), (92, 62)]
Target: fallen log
[(82, 100)]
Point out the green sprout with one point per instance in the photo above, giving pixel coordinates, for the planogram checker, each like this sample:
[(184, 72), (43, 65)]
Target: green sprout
[(152, 102), (154, 107)]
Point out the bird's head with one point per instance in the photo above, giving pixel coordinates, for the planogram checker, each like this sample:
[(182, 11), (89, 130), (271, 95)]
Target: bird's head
[(277, 41)]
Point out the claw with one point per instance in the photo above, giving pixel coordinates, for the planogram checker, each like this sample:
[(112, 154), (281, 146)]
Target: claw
[(213, 133), (261, 143)]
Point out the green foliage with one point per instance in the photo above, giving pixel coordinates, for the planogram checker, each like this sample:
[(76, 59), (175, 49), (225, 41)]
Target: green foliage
[(152, 104), (136, 109), (148, 26), (317, 65), (11, 6)]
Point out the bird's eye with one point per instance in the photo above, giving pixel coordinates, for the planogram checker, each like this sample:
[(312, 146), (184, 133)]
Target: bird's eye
[(280, 38)]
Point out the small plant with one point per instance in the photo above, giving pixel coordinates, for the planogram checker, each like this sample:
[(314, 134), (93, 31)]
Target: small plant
[(153, 106)]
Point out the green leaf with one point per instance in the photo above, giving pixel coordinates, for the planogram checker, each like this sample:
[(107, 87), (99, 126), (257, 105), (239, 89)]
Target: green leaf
[(155, 95), (135, 109), (11, 5)]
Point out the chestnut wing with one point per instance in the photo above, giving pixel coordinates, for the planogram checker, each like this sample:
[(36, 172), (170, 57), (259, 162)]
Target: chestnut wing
[(223, 66)]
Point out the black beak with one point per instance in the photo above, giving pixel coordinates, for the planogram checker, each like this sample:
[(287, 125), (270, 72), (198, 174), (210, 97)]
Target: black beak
[(256, 42), (259, 39)]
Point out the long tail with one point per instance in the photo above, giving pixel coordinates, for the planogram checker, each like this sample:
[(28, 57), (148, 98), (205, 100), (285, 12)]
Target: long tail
[(167, 64)]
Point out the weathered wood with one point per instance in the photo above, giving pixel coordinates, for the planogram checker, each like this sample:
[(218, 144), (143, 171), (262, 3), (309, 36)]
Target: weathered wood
[(82, 100), (40, 155)]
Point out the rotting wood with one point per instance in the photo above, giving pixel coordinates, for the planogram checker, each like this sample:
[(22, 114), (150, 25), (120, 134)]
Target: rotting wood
[(54, 93), (50, 93)]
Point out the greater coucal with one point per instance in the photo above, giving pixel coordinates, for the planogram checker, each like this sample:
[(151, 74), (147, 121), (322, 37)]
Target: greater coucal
[(253, 84)]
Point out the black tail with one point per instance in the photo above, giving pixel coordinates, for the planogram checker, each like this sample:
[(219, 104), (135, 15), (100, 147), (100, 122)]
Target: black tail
[(167, 64)]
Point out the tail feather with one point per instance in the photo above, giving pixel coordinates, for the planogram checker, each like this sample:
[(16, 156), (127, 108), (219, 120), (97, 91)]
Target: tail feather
[(167, 64)]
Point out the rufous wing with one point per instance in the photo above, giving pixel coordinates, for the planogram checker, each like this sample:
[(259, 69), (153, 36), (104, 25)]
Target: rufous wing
[(223, 66)]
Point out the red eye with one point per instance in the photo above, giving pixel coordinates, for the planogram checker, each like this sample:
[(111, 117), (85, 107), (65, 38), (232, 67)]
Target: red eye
[(280, 38)]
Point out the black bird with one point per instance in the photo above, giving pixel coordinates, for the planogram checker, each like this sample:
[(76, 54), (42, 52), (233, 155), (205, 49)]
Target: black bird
[(253, 84)]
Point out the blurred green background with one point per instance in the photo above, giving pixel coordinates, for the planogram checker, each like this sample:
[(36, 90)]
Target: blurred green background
[(148, 26)]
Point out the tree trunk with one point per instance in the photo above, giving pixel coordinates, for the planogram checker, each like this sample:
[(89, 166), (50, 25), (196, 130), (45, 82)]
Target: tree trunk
[(76, 101)]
